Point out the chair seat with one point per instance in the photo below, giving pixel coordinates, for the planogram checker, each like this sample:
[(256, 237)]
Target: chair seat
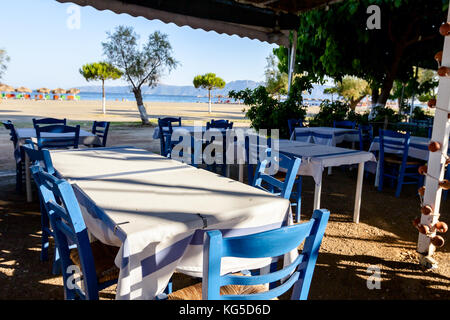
[(194, 292), (398, 160), (104, 256)]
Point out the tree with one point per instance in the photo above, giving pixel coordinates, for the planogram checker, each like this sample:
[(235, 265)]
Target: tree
[(352, 89), (337, 42), (140, 66), (3, 60), (276, 81), (209, 81), (100, 71)]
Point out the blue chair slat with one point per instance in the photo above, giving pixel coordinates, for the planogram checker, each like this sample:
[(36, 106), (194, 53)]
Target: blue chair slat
[(273, 243), (100, 129), (344, 124), (284, 189), (58, 142), (219, 124), (399, 143), (20, 164), (68, 224), (46, 121)]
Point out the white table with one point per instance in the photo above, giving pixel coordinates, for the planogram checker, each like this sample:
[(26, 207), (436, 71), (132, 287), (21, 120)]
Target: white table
[(316, 157), (23, 134), (339, 135), (157, 210), (418, 148)]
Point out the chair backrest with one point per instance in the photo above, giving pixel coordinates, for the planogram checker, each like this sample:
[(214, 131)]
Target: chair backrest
[(165, 134), (294, 123), (344, 124), (266, 244), (394, 142), (49, 121), (261, 179), (100, 129), (38, 157), (365, 135), (67, 223), (219, 124), (69, 136), (12, 131)]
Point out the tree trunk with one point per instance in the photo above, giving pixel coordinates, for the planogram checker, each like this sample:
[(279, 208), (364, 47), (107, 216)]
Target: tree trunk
[(209, 103), (140, 104), (388, 82), (354, 103), (103, 97)]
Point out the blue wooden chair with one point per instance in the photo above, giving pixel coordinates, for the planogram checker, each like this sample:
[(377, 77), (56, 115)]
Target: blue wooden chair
[(165, 133), (41, 158), (447, 176), (100, 129), (365, 136), (46, 121), (294, 123), (18, 155), (67, 141), (281, 183), (94, 260), (274, 243), (219, 124), (344, 124), (394, 162)]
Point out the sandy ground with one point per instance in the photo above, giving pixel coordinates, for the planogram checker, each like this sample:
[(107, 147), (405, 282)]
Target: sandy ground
[(25, 110), (384, 238)]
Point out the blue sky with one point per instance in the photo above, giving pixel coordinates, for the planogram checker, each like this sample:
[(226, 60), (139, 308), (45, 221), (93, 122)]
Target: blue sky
[(45, 52)]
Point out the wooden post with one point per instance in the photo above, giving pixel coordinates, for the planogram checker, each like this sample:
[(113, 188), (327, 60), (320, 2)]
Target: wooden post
[(436, 163), (292, 52)]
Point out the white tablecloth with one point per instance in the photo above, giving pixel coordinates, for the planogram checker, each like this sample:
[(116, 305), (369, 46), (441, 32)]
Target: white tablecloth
[(339, 135), (316, 157), (418, 147), (157, 210)]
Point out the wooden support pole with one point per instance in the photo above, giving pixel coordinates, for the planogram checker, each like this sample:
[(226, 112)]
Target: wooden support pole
[(436, 162)]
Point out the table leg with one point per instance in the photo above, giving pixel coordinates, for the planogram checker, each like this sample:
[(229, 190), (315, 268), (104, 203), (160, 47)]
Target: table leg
[(359, 185), (377, 174), (28, 179), (241, 172), (317, 192)]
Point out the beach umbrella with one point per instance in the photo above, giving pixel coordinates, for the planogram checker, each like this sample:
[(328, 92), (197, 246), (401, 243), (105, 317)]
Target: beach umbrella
[(23, 89), (73, 91), (43, 90), (59, 91), (6, 88)]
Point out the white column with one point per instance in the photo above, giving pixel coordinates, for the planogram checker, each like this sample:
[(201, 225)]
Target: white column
[(436, 160), (292, 52)]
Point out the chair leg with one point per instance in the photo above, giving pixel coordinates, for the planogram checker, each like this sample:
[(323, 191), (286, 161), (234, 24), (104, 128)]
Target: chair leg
[(19, 173), (381, 177), (401, 177), (299, 200), (45, 225)]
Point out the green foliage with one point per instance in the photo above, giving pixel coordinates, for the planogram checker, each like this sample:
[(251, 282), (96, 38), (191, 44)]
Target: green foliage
[(380, 114), (208, 81), (3, 60), (276, 81), (140, 65), (351, 89), (265, 112), (336, 111), (336, 42), (100, 71), (420, 114)]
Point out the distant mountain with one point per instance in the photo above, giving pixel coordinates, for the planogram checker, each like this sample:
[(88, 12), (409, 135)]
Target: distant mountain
[(170, 90)]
